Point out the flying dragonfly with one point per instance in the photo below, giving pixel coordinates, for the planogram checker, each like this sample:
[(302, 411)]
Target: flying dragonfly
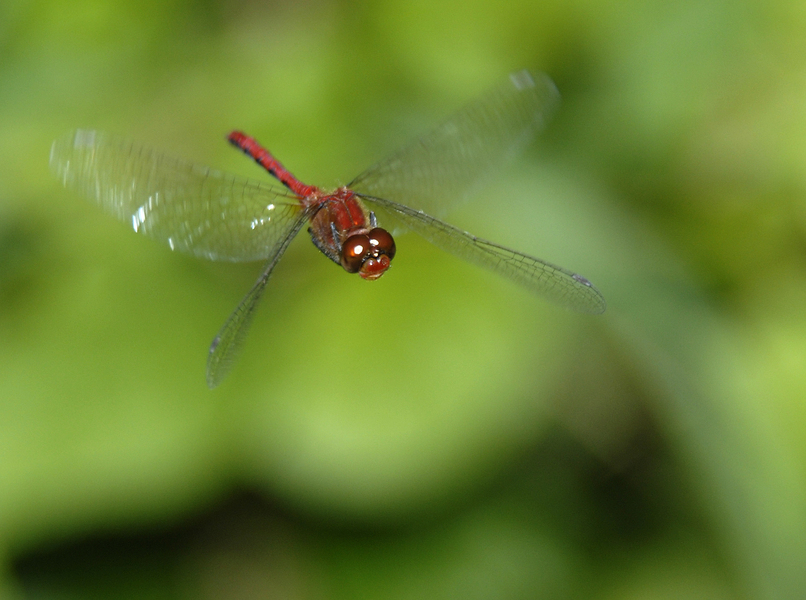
[(218, 216)]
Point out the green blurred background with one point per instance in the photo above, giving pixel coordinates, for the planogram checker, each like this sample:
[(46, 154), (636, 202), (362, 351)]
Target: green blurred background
[(439, 433)]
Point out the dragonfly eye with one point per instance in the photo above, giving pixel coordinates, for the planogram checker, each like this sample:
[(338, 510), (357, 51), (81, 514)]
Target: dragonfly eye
[(368, 254), (354, 251), (382, 251), (382, 242)]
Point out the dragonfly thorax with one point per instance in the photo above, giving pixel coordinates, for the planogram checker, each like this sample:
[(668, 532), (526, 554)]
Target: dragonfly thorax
[(347, 233)]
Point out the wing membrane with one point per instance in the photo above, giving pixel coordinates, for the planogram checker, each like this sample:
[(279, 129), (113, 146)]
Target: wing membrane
[(559, 285), (193, 209), (227, 343), (445, 166)]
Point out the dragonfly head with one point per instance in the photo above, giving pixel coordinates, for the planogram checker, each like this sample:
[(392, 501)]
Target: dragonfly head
[(368, 254)]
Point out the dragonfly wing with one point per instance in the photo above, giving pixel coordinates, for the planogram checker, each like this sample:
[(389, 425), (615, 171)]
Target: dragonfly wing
[(191, 208), (550, 281), (227, 343), (451, 161)]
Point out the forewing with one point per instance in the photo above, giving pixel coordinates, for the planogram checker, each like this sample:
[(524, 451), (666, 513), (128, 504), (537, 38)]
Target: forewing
[(191, 208), (550, 281), (444, 167), (227, 343)]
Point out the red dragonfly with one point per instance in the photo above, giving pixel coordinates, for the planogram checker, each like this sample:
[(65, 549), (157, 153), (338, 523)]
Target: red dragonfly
[(219, 216)]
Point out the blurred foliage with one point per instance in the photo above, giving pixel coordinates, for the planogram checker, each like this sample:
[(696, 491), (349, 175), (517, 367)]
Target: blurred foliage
[(438, 433)]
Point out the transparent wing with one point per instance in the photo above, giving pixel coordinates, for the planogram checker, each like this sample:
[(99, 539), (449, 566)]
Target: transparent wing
[(227, 344), (191, 208), (550, 281), (445, 166)]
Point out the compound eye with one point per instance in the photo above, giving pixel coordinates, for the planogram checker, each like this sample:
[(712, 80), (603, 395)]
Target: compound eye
[(353, 252), (382, 242)]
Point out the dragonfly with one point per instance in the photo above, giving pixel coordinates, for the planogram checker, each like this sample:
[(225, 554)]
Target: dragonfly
[(219, 216)]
